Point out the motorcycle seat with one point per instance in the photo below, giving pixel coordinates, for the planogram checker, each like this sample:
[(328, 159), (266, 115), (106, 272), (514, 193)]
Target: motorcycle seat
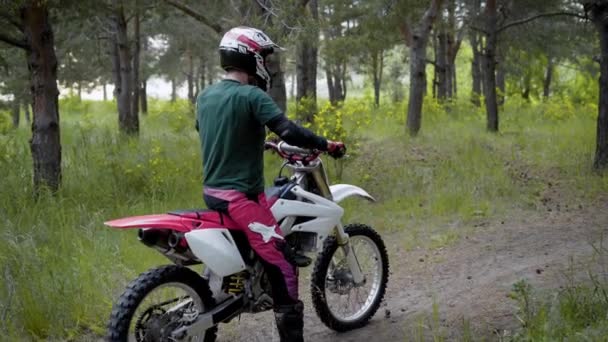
[(197, 214)]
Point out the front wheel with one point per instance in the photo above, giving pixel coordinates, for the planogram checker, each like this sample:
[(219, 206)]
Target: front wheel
[(157, 303), (340, 303)]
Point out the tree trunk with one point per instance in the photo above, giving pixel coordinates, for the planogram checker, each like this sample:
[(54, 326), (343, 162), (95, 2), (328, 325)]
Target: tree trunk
[(203, 73), (417, 85), (548, 78), (173, 90), (26, 109), (476, 63), (143, 96), (277, 90), (128, 121), (331, 89), (377, 66), (599, 14), (435, 76), (441, 66), (15, 112), (476, 71), (115, 68), (341, 88), (306, 64), (45, 144), (490, 67), (79, 91), (197, 85), (190, 78), (292, 91), (452, 47), (210, 75), (418, 40), (136, 61), (105, 91), (336, 82)]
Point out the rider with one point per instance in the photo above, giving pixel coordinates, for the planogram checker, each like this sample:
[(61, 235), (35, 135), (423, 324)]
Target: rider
[(231, 116)]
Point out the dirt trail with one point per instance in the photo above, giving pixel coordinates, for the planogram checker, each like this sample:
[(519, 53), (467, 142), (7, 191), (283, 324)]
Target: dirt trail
[(469, 280)]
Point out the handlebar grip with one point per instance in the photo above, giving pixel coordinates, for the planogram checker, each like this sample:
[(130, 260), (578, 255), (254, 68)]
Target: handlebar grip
[(283, 146)]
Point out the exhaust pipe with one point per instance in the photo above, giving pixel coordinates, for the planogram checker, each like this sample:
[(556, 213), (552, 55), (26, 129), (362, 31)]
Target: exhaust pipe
[(173, 246), (155, 238)]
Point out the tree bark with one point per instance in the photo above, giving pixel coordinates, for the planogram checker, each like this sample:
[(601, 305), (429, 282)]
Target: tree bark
[(489, 71), (418, 40), (45, 144), (548, 78), (210, 75), (292, 90), (128, 121), (143, 96), (306, 63), (476, 63), (15, 112), (331, 89), (203, 73), (452, 47), (441, 66), (277, 89), (26, 110), (197, 84), (190, 78), (336, 75), (115, 68), (105, 91), (599, 15), (476, 70), (377, 68), (173, 90), (136, 60)]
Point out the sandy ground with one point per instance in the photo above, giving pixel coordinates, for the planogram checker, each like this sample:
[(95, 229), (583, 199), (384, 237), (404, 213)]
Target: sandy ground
[(469, 281)]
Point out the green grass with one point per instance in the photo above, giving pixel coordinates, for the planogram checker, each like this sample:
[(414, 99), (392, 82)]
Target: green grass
[(577, 313), (62, 268)]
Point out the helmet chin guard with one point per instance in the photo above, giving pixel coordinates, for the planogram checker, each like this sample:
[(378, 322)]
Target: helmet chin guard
[(245, 49)]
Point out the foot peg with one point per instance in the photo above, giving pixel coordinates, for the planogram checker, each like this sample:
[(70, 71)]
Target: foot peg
[(301, 260)]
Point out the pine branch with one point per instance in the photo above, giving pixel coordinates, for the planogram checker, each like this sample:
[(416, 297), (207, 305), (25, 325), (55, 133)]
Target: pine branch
[(195, 14), (537, 16), (14, 42)]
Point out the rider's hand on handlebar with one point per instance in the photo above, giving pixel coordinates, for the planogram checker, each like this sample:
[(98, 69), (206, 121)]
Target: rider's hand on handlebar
[(336, 149)]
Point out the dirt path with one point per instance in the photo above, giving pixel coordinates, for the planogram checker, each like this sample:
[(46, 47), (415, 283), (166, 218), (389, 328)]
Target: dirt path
[(469, 280)]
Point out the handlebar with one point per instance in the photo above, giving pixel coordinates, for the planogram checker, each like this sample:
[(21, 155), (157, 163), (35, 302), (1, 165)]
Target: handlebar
[(293, 153)]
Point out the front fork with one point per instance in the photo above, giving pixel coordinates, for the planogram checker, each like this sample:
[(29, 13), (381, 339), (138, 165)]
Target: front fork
[(351, 258)]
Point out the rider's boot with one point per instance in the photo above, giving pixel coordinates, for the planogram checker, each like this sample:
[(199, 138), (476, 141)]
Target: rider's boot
[(290, 322)]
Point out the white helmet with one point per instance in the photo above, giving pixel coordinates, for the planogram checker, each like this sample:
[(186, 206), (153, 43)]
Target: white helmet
[(245, 49)]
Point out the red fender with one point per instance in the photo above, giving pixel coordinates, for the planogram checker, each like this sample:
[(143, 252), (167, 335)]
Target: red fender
[(182, 222)]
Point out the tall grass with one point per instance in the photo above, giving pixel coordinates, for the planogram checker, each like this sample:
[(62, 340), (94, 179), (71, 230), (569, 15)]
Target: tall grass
[(62, 268)]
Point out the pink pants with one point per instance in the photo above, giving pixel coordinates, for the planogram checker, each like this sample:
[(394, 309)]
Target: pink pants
[(253, 215)]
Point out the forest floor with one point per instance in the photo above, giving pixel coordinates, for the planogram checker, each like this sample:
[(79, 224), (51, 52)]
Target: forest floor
[(441, 294)]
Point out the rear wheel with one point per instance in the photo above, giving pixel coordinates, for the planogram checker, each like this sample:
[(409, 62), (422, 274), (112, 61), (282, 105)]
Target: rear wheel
[(340, 303), (157, 303)]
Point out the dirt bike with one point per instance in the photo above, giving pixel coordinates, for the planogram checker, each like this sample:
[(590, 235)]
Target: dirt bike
[(175, 303)]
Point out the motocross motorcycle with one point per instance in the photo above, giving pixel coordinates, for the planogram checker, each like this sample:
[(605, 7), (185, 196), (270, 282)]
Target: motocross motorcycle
[(175, 303)]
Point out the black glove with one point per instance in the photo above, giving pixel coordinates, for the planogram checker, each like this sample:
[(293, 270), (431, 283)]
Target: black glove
[(336, 149)]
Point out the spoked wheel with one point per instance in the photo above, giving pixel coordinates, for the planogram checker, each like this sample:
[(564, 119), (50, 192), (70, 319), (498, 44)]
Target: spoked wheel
[(158, 303), (340, 303)]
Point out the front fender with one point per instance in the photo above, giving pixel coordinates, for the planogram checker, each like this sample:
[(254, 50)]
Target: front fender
[(342, 191)]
